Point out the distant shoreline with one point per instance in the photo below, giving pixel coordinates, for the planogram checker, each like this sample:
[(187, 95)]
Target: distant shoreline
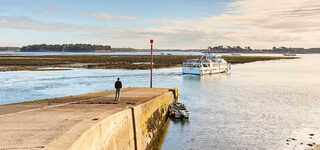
[(307, 51), (92, 48)]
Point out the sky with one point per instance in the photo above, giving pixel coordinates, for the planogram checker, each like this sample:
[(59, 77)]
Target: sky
[(176, 24)]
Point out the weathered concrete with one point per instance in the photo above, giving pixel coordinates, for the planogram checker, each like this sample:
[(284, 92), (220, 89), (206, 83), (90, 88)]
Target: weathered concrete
[(91, 124), (315, 148), (150, 117)]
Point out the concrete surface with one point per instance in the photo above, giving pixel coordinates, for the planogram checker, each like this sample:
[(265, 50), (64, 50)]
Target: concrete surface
[(90, 122)]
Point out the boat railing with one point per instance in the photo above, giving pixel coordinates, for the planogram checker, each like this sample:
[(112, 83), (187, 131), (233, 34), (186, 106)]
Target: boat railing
[(192, 65)]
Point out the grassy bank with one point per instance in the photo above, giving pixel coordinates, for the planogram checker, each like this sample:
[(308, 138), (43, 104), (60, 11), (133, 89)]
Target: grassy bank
[(248, 59), (36, 63)]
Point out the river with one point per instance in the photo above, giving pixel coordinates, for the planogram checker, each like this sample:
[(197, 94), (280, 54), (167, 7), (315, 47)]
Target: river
[(258, 106), (97, 53)]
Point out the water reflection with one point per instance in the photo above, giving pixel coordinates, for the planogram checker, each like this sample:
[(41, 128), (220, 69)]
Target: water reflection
[(182, 122), (218, 76), (156, 145), (102, 53), (258, 106)]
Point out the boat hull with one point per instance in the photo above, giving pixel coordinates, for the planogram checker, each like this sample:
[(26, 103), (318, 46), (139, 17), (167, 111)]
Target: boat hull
[(203, 71), (207, 64)]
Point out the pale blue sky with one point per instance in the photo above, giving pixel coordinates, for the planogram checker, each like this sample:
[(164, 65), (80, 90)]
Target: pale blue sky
[(172, 23)]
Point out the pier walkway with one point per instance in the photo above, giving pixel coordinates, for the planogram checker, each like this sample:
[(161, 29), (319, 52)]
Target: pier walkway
[(57, 123)]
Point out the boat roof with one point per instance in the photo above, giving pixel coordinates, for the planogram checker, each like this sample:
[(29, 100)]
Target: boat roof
[(205, 59)]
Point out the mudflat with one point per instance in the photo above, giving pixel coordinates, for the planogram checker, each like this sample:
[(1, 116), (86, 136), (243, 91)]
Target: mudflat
[(63, 62)]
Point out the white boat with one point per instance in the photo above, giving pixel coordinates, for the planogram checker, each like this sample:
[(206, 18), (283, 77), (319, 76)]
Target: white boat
[(208, 64), (290, 54)]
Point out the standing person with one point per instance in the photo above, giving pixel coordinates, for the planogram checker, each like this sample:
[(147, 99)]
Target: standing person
[(118, 86)]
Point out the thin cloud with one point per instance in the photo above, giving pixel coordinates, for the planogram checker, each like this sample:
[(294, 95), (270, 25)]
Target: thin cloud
[(100, 16), (107, 16), (107, 35), (26, 23), (258, 23), (255, 23)]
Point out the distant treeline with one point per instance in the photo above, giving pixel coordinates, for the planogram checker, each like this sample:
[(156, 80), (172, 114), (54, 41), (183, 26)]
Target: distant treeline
[(107, 48), (248, 49), (225, 49), (9, 48), (65, 48)]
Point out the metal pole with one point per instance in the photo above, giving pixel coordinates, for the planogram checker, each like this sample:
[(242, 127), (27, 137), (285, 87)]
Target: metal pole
[(151, 62)]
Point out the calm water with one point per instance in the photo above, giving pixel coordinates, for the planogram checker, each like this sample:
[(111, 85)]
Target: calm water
[(123, 53), (256, 107), (105, 53)]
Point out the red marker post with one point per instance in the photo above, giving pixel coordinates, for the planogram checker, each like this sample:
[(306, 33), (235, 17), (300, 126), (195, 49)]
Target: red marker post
[(151, 63)]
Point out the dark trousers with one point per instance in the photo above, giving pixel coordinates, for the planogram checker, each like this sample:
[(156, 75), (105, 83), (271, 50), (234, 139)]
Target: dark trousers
[(117, 98)]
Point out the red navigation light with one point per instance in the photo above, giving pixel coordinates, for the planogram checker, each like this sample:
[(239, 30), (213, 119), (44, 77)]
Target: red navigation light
[(151, 41)]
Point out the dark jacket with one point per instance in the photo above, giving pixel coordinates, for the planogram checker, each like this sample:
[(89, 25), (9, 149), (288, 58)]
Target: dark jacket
[(118, 85)]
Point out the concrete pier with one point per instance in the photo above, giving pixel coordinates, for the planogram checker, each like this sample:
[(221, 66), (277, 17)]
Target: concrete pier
[(87, 122)]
